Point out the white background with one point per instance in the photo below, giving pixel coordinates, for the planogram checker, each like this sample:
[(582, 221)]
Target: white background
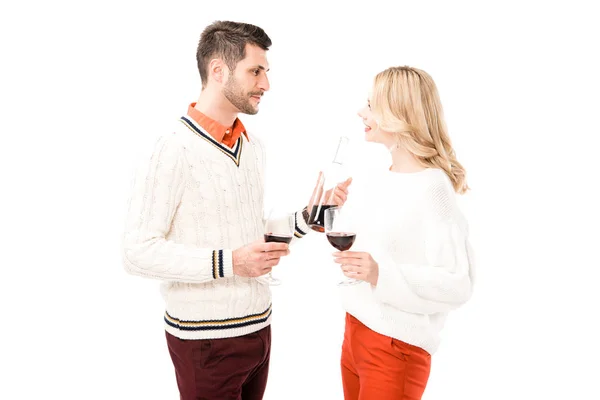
[(87, 87)]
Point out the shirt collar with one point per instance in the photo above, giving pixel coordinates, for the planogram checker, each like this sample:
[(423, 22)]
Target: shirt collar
[(221, 133)]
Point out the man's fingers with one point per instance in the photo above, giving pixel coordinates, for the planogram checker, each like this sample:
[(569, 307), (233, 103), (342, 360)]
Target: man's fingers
[(320, 176), (340, 198), (336, 197), (341, 191), (344, 185), (317, 193), (273, 262), (275, 246), (271, 255), (277, 254)]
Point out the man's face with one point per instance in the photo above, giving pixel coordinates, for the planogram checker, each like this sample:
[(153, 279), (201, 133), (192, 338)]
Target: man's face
[(248, 82)]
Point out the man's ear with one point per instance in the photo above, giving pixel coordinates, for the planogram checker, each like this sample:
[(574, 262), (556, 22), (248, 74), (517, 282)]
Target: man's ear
[(217, 70)]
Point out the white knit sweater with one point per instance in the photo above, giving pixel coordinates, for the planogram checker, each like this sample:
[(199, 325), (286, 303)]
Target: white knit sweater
[(413, 228), (193, 204)]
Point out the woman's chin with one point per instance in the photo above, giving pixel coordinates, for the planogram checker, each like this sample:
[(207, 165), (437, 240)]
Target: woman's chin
[(369, 137)]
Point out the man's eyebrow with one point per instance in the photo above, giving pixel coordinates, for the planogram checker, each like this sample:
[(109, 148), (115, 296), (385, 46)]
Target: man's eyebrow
[(261, 67)]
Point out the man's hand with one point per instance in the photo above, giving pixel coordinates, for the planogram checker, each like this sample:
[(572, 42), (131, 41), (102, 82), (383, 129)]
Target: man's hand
[(339, 194), (336, 196), (258, 258), (358, 265)]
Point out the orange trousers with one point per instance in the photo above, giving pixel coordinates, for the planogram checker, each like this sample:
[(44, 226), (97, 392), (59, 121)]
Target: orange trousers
[(377, 367)]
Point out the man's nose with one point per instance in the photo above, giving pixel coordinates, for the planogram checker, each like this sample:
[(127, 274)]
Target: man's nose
[(263, 84)]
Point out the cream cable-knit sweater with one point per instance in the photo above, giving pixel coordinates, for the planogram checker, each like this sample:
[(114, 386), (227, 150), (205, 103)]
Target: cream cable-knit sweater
[(414, 229), (195, 202)]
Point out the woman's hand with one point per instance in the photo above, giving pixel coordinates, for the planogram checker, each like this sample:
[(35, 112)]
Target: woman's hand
[(358, 265)]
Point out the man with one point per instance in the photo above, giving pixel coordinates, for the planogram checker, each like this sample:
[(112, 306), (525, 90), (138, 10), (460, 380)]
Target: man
[(195, 222)]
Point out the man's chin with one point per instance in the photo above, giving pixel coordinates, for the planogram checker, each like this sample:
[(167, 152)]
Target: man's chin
[(250, 111)]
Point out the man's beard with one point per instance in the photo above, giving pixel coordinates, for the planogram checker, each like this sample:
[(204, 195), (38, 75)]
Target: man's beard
[(240, 100)]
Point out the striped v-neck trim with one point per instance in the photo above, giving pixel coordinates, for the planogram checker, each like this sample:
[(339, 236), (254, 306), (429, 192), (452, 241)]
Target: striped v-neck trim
[(234, 153)]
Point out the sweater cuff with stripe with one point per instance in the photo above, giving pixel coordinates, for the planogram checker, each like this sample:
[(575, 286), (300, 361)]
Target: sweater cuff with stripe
[(301, 228), (222, 264)]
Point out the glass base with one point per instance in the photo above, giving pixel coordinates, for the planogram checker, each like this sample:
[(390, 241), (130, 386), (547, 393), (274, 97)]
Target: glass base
[(269, 280), (348, 282)]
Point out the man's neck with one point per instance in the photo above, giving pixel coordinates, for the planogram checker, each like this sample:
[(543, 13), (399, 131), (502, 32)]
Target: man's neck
[(215, 106)]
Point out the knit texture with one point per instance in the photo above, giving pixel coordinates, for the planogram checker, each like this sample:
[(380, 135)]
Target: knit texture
[(195, 202), (414, 229)]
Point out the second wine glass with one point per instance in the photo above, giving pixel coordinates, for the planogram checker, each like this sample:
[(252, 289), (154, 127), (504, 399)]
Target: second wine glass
[(340, 234), (279, 228)]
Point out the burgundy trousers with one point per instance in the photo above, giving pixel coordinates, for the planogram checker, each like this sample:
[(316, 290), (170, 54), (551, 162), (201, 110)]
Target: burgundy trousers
[(222, 369)]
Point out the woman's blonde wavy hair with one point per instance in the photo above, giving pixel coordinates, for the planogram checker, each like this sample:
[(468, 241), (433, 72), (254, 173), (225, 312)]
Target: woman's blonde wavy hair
[(405, 101)]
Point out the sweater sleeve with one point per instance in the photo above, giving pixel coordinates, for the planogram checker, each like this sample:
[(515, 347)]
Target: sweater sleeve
[(156, 194), (301, 228), (443, 282)]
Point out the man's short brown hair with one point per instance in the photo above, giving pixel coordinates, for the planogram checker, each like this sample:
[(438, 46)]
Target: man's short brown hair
[(227, 40)]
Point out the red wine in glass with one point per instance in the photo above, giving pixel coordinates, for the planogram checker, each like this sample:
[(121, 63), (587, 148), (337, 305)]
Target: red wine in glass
[(341, 240), (279, 228), (270, 237), (339, 231)]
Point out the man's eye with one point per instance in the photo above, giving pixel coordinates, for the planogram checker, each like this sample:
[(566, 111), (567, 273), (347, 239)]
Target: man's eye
[(256, 72)]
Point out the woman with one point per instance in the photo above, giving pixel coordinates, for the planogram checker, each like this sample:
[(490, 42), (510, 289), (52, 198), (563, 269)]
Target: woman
[(418, 265)]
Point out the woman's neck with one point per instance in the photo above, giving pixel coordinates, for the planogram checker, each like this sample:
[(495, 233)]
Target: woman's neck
[(404, 161)]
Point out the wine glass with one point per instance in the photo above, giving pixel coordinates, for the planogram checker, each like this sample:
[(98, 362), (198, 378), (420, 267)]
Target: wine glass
[(340, 234), (279, 227)]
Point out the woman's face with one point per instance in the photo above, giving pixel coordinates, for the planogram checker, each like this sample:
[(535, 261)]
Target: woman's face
[(371, 127), (373, 133)]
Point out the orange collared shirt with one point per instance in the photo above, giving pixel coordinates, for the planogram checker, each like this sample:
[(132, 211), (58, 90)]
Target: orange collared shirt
[(222, 134)]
